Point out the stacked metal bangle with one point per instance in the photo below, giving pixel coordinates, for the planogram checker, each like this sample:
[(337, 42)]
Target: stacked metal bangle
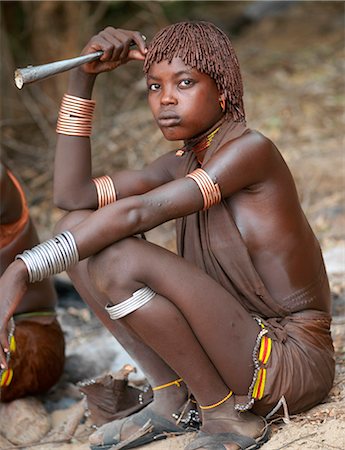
[(75, 116), (105, 190), (50, 257), (210, 191), (136, 301)]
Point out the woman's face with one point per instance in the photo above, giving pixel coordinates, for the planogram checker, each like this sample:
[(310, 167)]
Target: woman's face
[(184, 102)]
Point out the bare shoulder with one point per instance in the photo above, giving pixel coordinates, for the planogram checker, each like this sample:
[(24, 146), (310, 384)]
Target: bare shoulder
[(251, 144), (251, 151), (248, 160)]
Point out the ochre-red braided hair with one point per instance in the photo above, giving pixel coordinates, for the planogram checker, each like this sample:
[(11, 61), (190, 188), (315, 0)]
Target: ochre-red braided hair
[(205, 47)]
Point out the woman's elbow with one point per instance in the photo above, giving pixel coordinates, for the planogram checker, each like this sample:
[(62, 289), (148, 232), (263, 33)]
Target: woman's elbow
[(62, 203), (72, 198), (68, 202), (60, 198)]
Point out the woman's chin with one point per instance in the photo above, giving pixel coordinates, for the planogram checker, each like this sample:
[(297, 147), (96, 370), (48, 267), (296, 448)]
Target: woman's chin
[(172, 134)]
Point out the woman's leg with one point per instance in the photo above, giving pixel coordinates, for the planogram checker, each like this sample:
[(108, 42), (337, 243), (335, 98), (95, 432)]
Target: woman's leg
[(155, 369), (193, 323)]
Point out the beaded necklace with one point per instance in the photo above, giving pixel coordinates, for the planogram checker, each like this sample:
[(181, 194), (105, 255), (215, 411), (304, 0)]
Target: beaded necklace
[(199, 144)]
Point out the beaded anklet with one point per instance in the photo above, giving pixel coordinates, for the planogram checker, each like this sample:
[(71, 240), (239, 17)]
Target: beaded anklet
[(172, 383), (214, 405)]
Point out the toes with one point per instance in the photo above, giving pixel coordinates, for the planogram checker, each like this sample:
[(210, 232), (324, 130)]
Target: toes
[(96, 438)]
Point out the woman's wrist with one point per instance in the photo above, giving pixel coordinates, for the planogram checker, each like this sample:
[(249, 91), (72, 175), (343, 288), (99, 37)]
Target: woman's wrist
[(19, 271), (81, 83)]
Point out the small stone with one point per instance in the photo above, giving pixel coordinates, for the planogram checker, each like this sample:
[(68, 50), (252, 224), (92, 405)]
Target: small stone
[(24, 421)]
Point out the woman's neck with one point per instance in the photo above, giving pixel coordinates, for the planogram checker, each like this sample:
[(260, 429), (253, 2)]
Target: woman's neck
[(204, 137), (200, 143)]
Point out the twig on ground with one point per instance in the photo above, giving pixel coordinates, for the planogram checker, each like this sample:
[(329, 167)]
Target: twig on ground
[(281, 403), (296, 440), (76, 416), (68, 429), (329, 446)]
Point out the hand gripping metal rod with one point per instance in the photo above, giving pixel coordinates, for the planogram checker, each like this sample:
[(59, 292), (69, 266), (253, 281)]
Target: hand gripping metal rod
[(30, 74)]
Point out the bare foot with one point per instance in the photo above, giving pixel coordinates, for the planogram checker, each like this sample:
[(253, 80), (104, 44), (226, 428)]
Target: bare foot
[(225, 419)]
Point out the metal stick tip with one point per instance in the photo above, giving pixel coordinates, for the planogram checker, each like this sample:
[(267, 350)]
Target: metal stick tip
[(18, 79)]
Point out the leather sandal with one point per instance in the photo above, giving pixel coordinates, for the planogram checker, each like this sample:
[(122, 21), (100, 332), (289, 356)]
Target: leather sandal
[(153, 427)]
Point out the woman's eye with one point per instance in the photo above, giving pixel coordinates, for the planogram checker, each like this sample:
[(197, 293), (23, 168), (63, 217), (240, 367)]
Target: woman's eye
[(186, 83), (154, 87)]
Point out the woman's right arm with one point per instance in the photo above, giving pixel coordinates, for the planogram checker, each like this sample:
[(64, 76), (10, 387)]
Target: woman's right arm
[(73, 185)]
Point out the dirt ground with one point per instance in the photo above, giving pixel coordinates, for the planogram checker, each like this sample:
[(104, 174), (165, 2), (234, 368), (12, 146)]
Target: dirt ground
[(292, 66)]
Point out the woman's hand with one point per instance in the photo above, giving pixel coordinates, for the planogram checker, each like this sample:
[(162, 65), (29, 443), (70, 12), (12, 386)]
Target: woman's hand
[(116, 45), (13, 285)]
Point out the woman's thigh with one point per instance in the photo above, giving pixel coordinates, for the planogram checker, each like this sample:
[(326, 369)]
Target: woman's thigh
[(226, 331), (153, 366)]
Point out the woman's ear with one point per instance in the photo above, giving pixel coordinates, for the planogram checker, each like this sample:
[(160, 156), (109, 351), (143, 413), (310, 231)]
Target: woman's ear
[(222, 102)]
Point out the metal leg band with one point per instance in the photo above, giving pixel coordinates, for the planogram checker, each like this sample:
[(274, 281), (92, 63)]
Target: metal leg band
[(138, 299)]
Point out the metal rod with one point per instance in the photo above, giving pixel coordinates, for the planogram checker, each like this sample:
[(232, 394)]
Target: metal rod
[(30, 74)]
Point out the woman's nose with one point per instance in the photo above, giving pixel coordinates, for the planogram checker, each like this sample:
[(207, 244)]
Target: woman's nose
[(168, 97)]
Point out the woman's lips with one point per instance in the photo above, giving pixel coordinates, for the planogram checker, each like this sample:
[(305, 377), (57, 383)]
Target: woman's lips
[(168, 120)]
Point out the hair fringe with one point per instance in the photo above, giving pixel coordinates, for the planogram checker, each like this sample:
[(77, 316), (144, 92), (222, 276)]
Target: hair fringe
[(205, 47)]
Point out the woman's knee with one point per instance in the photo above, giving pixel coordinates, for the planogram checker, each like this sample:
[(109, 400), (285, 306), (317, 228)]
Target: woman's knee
[(115, 266), (70, 220)]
